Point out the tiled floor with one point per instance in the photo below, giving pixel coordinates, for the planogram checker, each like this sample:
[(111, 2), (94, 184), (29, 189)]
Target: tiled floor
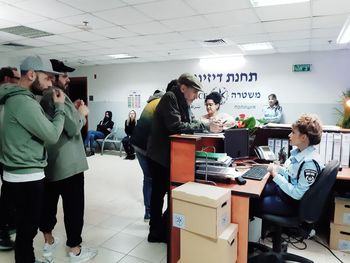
[(114, 218)]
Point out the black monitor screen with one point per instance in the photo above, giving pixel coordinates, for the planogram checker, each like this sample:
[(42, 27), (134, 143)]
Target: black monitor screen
[(237, 143)]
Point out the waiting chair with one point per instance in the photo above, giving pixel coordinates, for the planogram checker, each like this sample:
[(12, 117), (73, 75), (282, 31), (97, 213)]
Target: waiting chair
[(115, 138), (310, 209)]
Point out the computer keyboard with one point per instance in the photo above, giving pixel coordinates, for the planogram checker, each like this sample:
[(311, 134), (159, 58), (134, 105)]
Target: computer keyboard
[(256, 172)]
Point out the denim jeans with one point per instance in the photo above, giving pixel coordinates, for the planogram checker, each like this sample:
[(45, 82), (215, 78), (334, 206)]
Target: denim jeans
[(147, 180), (92, 136)]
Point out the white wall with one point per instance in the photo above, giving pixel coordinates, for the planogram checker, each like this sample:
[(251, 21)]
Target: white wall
[(316, 92)]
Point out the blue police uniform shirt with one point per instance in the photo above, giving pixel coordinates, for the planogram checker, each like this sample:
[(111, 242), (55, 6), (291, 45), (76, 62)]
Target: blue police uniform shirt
[(308, 174), (273, 114)]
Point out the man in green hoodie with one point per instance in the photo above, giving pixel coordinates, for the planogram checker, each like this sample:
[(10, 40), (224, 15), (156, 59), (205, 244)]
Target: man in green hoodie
[(24, 129), (65, 173)]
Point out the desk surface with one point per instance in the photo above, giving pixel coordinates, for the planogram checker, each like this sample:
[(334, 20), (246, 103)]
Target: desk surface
[(344, 174)]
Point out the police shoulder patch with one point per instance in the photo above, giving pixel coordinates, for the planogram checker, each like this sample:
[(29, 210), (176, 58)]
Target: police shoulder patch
[(310, 175)]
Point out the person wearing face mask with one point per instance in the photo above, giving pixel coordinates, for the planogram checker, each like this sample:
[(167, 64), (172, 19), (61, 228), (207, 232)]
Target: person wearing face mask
[(212, 104), (65, 173), (104, 128), (272, 112), (24, 130)]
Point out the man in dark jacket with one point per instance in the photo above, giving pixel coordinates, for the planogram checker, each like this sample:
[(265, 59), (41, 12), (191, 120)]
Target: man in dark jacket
[(172, 115)]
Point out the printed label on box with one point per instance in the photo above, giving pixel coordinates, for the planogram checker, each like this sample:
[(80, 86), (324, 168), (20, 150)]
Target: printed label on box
[(224, 220), (344, 245), (179, 221), (346, 218)]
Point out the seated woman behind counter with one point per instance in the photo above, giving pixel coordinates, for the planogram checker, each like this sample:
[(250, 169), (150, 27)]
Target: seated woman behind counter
[(212, 104)]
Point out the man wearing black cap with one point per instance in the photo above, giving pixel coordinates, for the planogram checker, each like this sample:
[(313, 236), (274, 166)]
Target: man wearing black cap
[(65, 174), (173, 115)]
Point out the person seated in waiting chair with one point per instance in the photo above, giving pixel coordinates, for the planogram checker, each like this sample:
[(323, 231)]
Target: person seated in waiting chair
[(130, 124), (104, 128), (289, 183)]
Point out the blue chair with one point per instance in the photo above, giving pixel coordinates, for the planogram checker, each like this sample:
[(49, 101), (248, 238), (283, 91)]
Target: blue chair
[(115, 138)]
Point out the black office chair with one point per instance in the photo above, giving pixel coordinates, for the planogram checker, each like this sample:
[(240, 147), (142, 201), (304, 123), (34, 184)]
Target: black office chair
[(310, 209)]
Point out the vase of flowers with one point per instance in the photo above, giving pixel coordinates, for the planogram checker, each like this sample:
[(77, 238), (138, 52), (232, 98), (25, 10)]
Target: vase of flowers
[(344, 120)]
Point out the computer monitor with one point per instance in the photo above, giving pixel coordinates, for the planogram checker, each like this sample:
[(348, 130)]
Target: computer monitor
[(237, 143)]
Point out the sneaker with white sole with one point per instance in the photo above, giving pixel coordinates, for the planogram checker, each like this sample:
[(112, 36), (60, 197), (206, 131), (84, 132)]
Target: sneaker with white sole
[(85, 255), (48, 249)]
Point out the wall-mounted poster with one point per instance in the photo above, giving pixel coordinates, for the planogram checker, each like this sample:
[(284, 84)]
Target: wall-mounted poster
[(134, 100)]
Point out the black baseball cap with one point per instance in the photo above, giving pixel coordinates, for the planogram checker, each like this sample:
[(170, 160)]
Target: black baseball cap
[(59, 66)]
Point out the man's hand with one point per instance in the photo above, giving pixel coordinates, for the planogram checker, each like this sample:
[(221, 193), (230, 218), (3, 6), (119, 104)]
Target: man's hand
[(83, 109), (58, 96)]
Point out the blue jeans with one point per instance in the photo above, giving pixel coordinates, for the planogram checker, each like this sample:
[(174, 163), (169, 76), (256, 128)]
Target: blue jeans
[(91, 137), (147, 180)]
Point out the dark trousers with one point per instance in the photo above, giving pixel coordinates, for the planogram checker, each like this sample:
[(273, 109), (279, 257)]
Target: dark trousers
[(275, 201), (28, 198), (129, 150), (7, 214), (159, 223), (72, 192)]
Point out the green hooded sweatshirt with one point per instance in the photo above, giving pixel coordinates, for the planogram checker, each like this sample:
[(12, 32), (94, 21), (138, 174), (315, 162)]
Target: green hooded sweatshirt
[(24, 129), (67, 157)]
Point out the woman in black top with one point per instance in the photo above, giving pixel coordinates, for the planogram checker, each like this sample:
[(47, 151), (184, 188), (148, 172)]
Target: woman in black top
[(130, 124), (103, 129)]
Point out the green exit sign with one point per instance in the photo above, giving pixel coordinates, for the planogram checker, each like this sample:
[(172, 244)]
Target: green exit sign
[(301, 67)]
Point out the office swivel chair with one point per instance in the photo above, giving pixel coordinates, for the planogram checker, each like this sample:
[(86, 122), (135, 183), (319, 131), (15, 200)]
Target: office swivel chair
[(310, 209)]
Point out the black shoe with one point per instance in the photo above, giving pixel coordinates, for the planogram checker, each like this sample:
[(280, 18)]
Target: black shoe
[(132, 157), (155, 238), (6, 244)]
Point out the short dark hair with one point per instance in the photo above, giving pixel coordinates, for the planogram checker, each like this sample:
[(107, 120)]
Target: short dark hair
[(171, 85), (311, 126), (215, 96), (6, 72)]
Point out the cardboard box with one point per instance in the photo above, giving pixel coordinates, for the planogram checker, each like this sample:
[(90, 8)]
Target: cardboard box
[(342, 211), (340, 237), (202, 209), (199, 249)]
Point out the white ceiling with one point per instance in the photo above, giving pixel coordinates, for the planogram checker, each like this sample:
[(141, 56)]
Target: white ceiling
[(161, 30)]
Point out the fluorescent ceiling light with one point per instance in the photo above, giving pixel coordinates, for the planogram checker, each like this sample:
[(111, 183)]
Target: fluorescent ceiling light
[(256, 46), (344, 35), (121, 56), (258, 3), (219, 63)]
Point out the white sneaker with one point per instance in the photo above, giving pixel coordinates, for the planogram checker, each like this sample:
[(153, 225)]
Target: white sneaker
[(85, 255), (48, 249)]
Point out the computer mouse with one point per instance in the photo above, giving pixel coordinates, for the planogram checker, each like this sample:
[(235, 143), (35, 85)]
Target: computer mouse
[(240, 180)]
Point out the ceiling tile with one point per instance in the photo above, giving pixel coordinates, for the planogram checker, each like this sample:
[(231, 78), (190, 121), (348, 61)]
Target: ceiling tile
[(210, 6), (84, 36), (291, 43), (51, 8), (236, 17), (240, 30), (5, 23), (166, 9), (114, 32), (288, 25), (279, 12), (293, 49), (290, 35), (93, 5), (34, 42), (12, 1), (123, 16), (59, 39), (83, 46), (321, 41), (93, 21), (326, 32), (329, 21), (22, 17), (166, 38), (204, 34), (137, 41), (62, 48), (109, 43), (184, 45), (53, 27), (148, 28), (134, 2), (257, 38), (327, 7), (186, 23), (226, 50), (5, 37)]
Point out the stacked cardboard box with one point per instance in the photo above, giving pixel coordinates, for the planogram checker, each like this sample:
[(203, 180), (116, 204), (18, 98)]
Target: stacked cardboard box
[(203, 213), (340, 229)]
